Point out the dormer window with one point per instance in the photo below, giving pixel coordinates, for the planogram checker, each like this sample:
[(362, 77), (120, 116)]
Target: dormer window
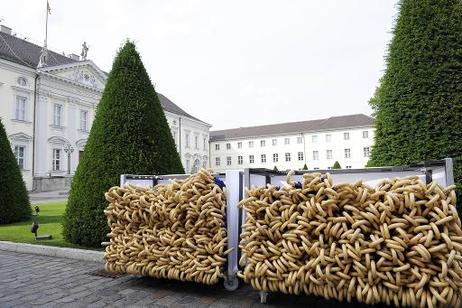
[(22, 82)]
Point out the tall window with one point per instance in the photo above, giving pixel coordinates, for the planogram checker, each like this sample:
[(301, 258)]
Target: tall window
[(365, 134), (204, 140), (315, 155), (188, 165), (196, 142), (20, 112), (57, 114), (287, 156), (239, 145), (56, 162), (274, 142), (217, 161), (329, 154), (300, 155), (347, 153), (263, 158), (239, 160), (314, 138), (19, 154), (187, 140), (217, 147), (299, 140), (228, 160), (275, 157), (262, 143), (366, 151), (286, 140), (228, 146), (346, 136), (84, 120), (251, 159), (328, 138), (250, 144)]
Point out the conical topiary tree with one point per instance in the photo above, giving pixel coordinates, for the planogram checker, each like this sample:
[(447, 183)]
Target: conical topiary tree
[(336, 165), (130, 134), (275, 169), (418, 104), (14, 201), (305, 167)]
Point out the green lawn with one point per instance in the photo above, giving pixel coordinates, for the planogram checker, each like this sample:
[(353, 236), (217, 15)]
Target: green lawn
[(49, 219)]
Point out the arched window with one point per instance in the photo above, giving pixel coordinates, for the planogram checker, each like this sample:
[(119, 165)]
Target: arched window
[(22, 82)]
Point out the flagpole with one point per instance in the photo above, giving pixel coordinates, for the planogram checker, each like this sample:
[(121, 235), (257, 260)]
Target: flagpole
[(46, 25)]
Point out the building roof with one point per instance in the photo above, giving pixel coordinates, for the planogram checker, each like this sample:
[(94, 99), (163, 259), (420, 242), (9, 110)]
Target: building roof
[(347, 121), (170, 106), (26, 53)]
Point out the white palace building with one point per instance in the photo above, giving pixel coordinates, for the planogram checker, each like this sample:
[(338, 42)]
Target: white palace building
[(317, 143), (47, 105)]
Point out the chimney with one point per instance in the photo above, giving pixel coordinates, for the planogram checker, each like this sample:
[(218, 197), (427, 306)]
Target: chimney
[(5, 29), (74, 57)]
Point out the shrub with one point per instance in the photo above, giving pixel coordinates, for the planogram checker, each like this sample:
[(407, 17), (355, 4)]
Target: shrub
[(130, 134), (14, 200)]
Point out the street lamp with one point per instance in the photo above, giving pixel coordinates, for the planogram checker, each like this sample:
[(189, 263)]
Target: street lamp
[(68, 149)]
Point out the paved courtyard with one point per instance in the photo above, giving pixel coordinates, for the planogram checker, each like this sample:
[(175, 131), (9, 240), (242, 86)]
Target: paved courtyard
[(28, 280)]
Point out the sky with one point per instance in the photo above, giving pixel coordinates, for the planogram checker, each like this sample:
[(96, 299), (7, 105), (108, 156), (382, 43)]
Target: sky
[(231, 63)]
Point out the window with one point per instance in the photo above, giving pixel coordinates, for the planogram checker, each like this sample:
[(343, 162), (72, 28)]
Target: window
[(239, 145), (19, 154), (299, 140), (286, 140), (56, 162), (262, 143), (217, 161), (239, 160), (314, 138), (187, 140), (346, 136), (228, 146), (174, 136), (22, 81), (366, 151), (347, 153), (275, 158), (348, 167), (274, 142), (250, 144), (188, 165), (217, 147), (20, 112), (228, 160), (251, 159), (328, 138), (365, 134), (329, 154), (300, 155), (57, 114), (315, 155), (196, 142), (316, 168), (204, 140), (263, 158), (287, 156), (84, 120)]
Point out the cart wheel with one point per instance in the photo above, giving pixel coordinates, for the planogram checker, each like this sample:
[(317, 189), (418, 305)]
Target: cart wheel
[(231, 284), (263, 297)]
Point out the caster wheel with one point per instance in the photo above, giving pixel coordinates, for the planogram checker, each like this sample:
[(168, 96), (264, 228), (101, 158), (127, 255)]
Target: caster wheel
[(231, 284), (263, 297)]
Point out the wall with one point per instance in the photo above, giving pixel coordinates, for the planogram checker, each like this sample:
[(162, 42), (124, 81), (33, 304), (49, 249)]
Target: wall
[(298, 143), (19, 132)]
